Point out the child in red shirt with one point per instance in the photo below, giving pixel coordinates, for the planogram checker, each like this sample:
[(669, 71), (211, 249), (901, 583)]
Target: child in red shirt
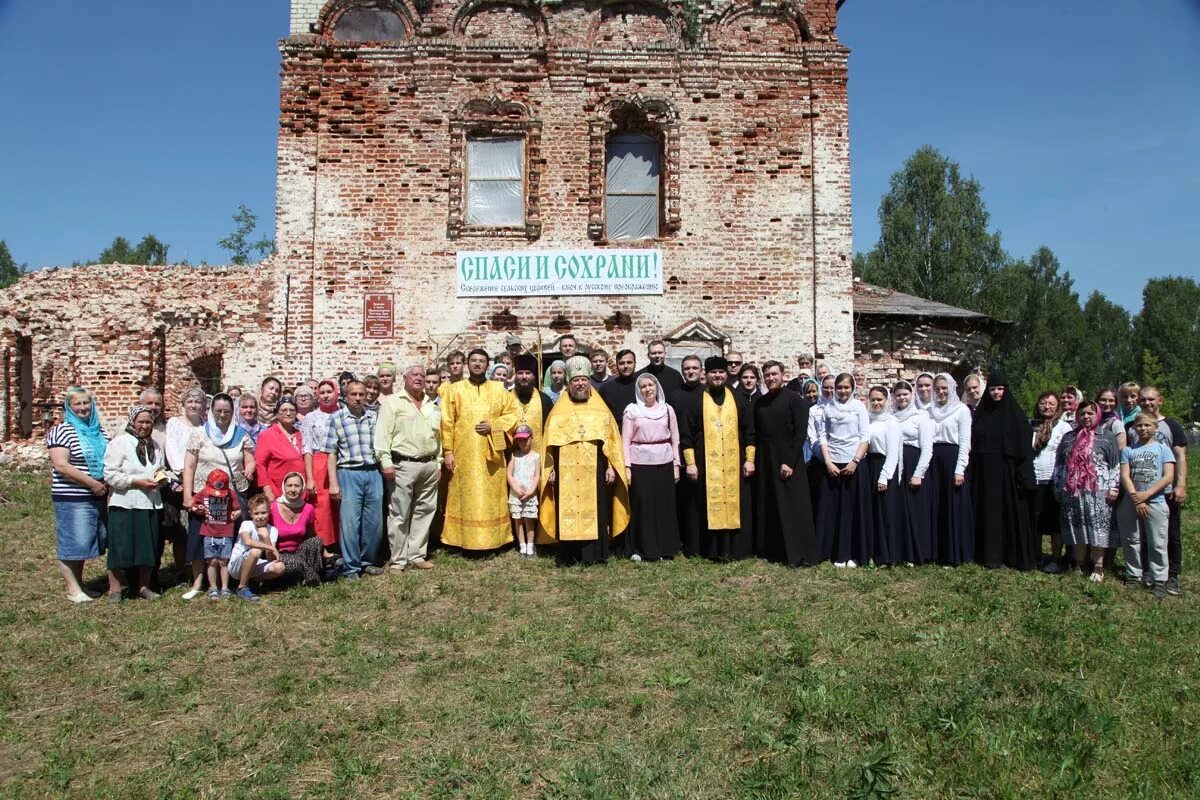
[(220, 510)]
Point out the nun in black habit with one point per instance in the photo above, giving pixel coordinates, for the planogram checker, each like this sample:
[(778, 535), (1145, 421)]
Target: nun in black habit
[(1001, 480)]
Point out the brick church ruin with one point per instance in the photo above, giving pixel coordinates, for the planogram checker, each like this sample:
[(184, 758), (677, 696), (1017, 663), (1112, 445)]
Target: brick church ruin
[(712, 135)]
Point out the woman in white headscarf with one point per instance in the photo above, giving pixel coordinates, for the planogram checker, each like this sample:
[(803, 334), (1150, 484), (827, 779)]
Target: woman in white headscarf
[(844, 505), (556, 379), (650, 435), (923, 391), (953, 513)]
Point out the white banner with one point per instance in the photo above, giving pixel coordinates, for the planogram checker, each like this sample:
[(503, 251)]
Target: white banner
[(506, 273)]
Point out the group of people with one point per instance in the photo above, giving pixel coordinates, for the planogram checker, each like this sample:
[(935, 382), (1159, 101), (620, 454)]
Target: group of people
[(721, 459)]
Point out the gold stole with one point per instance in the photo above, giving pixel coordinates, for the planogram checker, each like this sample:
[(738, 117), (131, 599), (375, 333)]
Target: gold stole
[(722, 463), (531, 414)]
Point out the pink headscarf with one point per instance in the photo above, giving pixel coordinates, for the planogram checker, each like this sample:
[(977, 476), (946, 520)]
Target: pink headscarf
[(1081, 468)]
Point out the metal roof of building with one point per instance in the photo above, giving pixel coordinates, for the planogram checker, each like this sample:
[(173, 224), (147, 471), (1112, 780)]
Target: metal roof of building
[(871, 299)]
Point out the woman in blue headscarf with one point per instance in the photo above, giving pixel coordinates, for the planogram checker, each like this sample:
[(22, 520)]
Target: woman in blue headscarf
[(77, 490), (555, 380)]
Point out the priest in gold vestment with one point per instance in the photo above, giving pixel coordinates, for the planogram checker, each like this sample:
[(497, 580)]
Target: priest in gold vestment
[(477, 416), (585, 503), (716, 440)]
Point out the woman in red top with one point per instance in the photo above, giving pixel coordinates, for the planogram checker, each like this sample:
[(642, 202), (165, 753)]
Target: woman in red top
[(299, 547), (279, 450)]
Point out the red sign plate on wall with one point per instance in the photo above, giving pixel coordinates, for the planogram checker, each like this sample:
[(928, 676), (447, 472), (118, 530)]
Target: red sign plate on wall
[(377, 317)]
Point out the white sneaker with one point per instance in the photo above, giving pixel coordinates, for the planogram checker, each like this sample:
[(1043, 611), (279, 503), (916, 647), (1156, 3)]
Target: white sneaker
[(840, 564), (192, 594), (635, 557), (852, 564)]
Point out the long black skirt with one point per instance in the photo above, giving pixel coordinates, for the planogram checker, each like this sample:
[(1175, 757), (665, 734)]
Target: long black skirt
[(843, 517), (1002, 536), (886, 520), (1043, 510), (915, 543), (815, 470), (653, 522), (953, 515)]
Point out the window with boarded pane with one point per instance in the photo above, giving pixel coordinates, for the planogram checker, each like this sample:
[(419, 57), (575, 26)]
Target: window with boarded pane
[(632, 186), (369, 25), (496, 181)]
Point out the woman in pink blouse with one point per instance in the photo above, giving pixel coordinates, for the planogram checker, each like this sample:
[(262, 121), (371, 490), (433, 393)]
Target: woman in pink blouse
[(299, 546), (650, 434)]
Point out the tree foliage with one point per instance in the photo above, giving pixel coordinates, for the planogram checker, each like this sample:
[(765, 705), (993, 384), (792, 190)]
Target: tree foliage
[(10, 271), (239, 245), (934, 242), (149, 251)]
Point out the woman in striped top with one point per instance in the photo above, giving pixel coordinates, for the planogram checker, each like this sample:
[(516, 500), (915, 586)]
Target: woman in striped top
[(77, 490)]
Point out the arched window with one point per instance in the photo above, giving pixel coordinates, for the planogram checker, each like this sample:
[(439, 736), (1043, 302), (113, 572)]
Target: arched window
[(365, 24), (633, 170), (632, 186)]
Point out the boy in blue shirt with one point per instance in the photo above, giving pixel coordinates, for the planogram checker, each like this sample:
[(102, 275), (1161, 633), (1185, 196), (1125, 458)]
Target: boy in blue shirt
[(1147, 472)]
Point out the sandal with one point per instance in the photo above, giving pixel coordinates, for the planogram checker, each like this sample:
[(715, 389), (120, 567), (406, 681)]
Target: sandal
[(214, 594)]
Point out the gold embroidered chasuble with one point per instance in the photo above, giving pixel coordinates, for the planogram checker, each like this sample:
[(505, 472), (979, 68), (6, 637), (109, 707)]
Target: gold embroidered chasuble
[(581, 431), (477, 495)]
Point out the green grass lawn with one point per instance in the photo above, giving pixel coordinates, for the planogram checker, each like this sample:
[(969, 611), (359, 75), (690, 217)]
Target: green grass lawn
[(508, 678)]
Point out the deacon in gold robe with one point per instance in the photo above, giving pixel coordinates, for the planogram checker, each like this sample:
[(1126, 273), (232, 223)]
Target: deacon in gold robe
[(477, 416), (585, 502), (716, 440)]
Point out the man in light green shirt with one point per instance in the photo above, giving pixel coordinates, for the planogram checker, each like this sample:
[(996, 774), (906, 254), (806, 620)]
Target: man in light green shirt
[(408, 443)]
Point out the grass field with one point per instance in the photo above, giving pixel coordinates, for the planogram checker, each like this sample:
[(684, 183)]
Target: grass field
[(505, 678)]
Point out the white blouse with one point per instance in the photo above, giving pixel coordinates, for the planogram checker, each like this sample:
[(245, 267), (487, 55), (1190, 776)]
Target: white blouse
[(816, 422), (1045, 461), (843, 432), (917, 431), (956, 429), (121, 468), (885, 438), (179, 430)]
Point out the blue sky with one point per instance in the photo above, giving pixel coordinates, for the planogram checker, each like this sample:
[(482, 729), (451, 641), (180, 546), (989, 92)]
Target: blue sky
[(1080, 118)]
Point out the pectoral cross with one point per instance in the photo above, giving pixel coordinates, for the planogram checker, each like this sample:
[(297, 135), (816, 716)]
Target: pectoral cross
[(718, 425), (581, 430)]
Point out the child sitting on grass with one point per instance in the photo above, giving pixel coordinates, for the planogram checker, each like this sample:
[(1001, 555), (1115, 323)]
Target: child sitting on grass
[(255, 554), (219, 507), (1147, 472)]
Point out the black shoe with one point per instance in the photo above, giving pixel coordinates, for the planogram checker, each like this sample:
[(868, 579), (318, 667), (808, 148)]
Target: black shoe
[(1160, 590), (371, 569), (1173, 587), (1133, 583), (350, 576)]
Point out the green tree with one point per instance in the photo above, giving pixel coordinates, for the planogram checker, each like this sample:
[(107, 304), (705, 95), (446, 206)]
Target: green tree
[(10, 271), (149, 251), (1106, 355), (1048, 324), (1167, 333), (238, 244), (934, 240)]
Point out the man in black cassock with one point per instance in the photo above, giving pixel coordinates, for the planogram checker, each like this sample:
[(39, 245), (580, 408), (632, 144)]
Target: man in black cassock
[(729, 535), (687, 493), (621, 390), (688, 391), (783, 521), (668, 377)]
